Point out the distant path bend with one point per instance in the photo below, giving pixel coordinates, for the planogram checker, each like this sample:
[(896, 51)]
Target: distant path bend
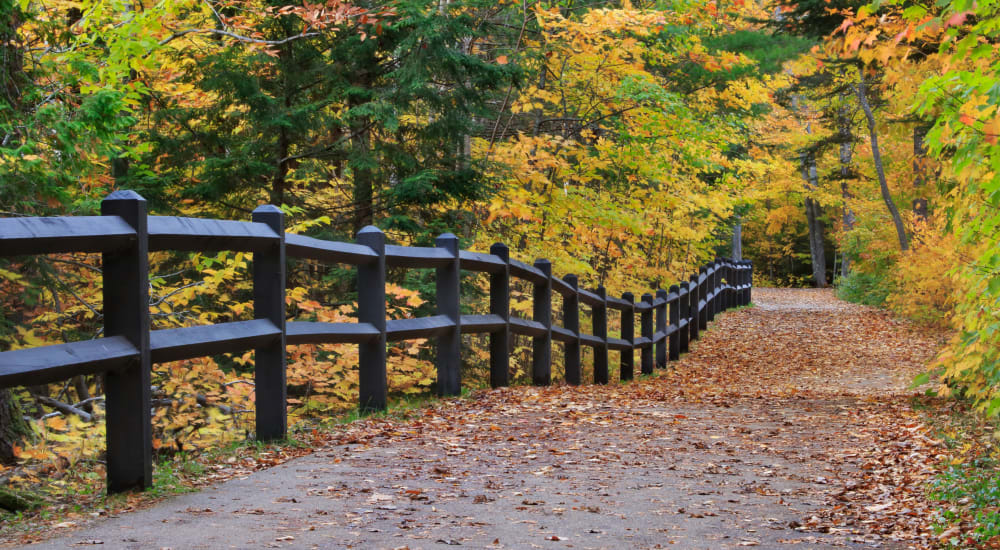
[(775, 431)]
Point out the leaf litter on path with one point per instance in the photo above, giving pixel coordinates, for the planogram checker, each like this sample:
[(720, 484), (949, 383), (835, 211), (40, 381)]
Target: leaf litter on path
[(788, 424)]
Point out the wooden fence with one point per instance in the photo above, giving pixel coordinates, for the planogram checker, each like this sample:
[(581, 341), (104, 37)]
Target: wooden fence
[(125, 235)]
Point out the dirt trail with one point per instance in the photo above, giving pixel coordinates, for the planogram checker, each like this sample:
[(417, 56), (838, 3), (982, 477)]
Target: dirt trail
[(778, 430)]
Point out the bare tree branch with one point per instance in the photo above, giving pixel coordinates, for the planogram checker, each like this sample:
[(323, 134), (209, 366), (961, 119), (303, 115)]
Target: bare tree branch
[(64, 408)]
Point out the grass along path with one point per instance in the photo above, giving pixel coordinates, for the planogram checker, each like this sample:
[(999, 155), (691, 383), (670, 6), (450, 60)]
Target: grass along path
[(788, 424)]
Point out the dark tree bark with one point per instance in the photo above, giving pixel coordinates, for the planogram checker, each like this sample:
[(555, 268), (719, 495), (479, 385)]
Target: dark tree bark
[(738, 238), (814, 217), (12, 83), (364, 180), (920, 173), (846, 174), (890, 205), (12, 76), (277, 194), (361, 148), (13, 428), (83, 392)]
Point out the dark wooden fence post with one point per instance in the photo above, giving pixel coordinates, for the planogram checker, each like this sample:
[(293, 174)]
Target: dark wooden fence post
[(704, 295), (684, 306), (126, 313), (372, 382), (696, 305), (500, 305), (747, 276), (709, 294), (738, 278), (627, 368), (731, 269), (727, 282), (646, 327), (675, 318), (730, 280), (738, 267), (717, 294), (271, 389), (661, 327), (749, 296), (571, 322), (734, 268), (600, 318), (743, 282), (449, 342), (541, 346)]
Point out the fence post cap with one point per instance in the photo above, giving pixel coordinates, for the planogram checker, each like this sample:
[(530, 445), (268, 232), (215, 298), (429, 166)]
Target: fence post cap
[(647, 297), (124, 195), (601, 291), (369, 229), (661, 293), (572, 279), (674, 288), (448, 241), (628, 296), (267, 209)]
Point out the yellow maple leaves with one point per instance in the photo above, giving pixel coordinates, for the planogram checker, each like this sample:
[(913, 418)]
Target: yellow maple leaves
[(609, 184)]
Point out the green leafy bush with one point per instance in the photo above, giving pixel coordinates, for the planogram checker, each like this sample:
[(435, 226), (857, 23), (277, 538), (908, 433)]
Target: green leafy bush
[(864, 288), (968, 494)]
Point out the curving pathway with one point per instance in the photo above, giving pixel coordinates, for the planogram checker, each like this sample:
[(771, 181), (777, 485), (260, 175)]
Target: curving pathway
[(775, 431)]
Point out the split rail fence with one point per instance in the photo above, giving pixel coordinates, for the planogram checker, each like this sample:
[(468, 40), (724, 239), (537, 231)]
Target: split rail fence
[(125, 235)]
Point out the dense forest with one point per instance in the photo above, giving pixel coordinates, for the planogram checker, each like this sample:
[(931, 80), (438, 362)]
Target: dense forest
[(831, 142)]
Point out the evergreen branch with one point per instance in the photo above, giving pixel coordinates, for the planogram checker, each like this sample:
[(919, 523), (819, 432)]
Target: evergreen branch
[(238, 37), (329, 146)]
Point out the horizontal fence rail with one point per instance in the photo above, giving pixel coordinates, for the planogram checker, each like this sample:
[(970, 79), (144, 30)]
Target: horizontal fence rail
[(125, 235)]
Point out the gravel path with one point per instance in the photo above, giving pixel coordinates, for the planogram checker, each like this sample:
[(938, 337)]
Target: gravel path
[(762, 436)]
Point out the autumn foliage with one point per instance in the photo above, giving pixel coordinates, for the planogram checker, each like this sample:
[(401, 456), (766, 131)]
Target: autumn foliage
[(626, 142)]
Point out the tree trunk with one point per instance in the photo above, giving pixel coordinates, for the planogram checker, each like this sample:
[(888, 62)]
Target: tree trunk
[(920, 169), (364, 180), (276, 196), (82, 392), (879, 169), (361, 161), (846, 174), (13, 428), (12, 77), (814, 215), (12, 82), (738, 239)]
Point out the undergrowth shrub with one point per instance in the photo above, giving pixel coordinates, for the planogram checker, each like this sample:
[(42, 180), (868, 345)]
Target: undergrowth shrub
[(870, 289), (922, 279)]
